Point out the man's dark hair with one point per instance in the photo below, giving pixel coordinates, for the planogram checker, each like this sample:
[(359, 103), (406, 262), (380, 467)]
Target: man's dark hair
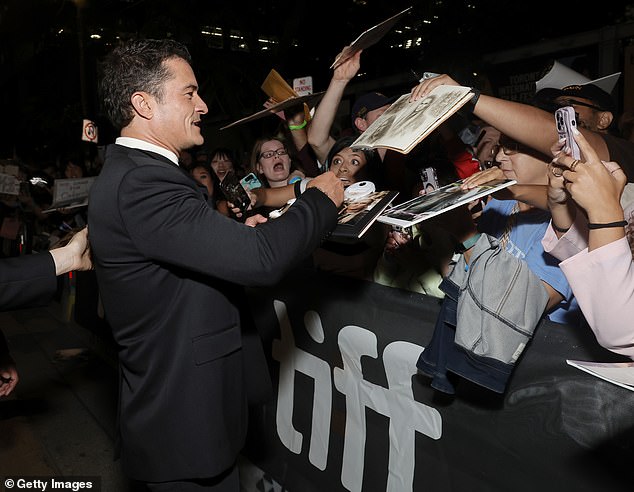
[(137, 65)]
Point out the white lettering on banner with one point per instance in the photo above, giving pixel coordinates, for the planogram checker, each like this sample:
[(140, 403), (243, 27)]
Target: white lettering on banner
[(407, 416), (293, 359)]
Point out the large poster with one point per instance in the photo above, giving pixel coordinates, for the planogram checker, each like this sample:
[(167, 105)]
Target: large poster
[(350, 413)]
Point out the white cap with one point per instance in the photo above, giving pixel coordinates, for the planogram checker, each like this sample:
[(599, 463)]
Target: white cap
[(560, 76)]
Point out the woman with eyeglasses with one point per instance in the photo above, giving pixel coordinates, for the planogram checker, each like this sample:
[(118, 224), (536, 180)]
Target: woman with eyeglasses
[(520, 226), (271, 160)]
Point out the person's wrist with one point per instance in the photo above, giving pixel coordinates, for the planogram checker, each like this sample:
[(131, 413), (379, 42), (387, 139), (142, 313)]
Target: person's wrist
[(604, 215), (298, 126)]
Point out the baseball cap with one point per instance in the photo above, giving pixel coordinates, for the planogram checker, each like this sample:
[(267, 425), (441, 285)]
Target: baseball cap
[(601, 99), (369, 102), (560, 76)]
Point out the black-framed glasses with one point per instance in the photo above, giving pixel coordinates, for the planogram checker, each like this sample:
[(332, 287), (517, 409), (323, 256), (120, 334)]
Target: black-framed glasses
[(574, 102), (270, 153), (509, 148)]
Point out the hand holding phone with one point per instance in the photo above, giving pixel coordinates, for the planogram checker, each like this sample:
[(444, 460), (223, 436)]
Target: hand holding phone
[(234, 192), (566, 120)]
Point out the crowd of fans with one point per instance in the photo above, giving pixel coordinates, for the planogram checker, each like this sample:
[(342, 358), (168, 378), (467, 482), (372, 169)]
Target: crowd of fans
[(558, 244), (489, 139)]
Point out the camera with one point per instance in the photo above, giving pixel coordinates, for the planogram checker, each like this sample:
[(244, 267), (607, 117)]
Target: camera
[(429, 179)]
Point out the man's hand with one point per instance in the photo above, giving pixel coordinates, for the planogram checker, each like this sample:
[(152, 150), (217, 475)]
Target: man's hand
[(80, 249), (75, 255), (329, 184), (255, 220)]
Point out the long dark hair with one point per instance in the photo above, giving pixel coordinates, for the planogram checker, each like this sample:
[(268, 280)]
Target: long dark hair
[(373, 168)]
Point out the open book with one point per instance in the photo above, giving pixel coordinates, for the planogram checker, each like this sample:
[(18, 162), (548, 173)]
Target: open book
[(445, 198), (404, 124), (368, 38), (619, 373), (356, 216)]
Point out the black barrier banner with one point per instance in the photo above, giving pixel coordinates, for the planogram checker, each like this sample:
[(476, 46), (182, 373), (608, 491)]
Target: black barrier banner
[(350, 412)]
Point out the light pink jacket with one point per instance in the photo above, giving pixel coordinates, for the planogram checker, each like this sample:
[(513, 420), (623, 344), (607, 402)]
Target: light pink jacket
[(602, 281)]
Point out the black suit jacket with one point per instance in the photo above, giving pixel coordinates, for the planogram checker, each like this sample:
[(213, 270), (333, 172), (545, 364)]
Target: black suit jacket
[(27, 281), (167, 265)]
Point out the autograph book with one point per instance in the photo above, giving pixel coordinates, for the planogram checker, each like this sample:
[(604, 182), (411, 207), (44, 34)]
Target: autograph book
[(356, 216), (446, 198), (405, 124)]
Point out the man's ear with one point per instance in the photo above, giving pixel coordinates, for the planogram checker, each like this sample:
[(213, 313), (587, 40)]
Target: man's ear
[(605, 120), (361, 124), (143, 104)]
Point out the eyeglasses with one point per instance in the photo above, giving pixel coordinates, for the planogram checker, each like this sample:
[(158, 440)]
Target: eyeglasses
[(574, 102), (270, 153), (509, 148)]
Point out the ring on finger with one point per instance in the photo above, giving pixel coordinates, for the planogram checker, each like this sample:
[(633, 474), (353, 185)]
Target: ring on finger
[(574, 164), (557, 171)]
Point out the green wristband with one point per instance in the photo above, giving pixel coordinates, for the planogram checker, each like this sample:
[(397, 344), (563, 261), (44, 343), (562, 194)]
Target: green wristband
[(298, 127)]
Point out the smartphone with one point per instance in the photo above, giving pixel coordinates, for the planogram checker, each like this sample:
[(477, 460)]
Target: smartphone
[(250, 182), (429, 179), (566, 120), (234, 192)]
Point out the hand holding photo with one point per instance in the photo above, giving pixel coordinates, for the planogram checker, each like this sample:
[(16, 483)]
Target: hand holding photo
[(446, 198)]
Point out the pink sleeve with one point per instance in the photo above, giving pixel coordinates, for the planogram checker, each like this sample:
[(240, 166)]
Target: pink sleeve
[(603, 283), (571, 243)]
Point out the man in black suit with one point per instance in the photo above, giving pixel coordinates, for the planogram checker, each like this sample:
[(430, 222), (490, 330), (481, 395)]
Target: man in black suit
[(167, 264), (31, 280)]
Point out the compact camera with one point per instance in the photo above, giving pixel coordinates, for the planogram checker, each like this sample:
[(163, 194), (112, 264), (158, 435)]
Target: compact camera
[(429, 179)]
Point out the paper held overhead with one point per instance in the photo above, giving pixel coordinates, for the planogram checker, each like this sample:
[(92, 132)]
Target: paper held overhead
[(310, 100), (368, 38), (560, 76)]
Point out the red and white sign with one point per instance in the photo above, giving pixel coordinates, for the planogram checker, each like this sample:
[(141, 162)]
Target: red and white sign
[(303, 86), (90, 133)]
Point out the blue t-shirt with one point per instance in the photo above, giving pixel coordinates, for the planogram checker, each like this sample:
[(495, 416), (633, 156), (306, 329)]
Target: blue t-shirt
[(525, 243)]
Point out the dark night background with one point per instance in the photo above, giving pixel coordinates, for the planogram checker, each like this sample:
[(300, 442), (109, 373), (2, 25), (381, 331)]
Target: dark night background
[(49, 52)]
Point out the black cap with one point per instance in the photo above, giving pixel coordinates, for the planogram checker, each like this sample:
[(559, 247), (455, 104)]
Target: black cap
[(599, 98), (369, 102)]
